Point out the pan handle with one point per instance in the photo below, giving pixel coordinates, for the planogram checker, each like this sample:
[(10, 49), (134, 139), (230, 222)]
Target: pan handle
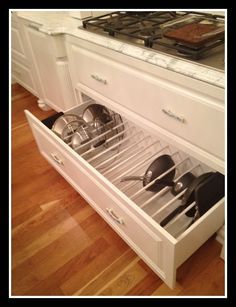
[(158, 181), (172, 215), (166, 182), (127, 178)]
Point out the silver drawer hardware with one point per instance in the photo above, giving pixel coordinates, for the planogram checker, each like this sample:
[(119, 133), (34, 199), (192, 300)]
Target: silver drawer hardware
[(173, 115), (34, 26), (55, 158), (114, 216), (97, 78)]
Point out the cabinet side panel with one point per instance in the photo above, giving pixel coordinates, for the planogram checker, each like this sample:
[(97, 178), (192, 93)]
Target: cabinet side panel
[(199, 232)]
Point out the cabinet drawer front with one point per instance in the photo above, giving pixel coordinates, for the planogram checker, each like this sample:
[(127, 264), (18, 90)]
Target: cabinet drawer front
[(17, 45), (147, 244), (184, 113), (23, 75)]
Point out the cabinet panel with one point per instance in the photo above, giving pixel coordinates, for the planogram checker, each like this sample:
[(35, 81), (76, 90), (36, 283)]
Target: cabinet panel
[(53, 73), (45, 66), (181, 112), (23, 75), (16, 43), (23, 70), (147, 244)]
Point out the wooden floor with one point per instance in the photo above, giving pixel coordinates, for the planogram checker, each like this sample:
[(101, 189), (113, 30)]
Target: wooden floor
[(61, 246)]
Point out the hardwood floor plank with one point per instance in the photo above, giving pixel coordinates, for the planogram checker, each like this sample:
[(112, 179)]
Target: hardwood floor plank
[(71, 267), (146, 286), (208, 281), (43, 240), (164, 290), (49, 259), (98, 282), (202, 258), (124, 281), (91, 270)]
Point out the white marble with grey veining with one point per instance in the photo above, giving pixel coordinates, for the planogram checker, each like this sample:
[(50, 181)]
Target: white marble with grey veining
[(59, 22)]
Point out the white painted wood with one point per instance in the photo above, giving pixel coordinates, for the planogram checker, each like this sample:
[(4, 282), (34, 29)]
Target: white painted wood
[(153, 244), (196, 119), (133, 230), (199, 232), (16, 42), (80, 14), (192, 150), (23, 76), (86, 14), (65, 83), (220, 237), (42, 105), (57, 46), (52, 72), (201, 88), (21, 67)]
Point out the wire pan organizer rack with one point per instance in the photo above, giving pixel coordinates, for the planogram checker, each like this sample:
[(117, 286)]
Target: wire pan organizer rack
[(129, 150)]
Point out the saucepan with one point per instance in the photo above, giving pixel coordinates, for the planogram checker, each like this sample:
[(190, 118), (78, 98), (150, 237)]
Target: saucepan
[(160, 165), (96, 117), (81, 137), (66, 125), (96, 111)]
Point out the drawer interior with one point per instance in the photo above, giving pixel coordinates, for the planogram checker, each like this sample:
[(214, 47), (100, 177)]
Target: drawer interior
[(129, 150)]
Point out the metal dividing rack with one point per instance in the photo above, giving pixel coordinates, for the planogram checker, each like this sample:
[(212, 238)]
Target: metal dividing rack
[(129, 150)]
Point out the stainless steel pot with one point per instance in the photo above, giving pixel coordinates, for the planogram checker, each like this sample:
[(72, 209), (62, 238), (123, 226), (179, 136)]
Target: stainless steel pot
[(66, 125), (81, 137), (96, 112)]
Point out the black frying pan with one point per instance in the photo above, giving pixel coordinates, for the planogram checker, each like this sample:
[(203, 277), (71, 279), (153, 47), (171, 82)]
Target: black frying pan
[(209, 192), (182, 183), (156, 168), (187, 199)]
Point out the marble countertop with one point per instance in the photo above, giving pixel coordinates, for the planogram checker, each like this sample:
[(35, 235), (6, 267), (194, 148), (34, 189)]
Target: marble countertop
[(60, 22)]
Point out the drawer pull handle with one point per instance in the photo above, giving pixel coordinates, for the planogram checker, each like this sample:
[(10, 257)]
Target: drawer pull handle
[(55, 158), (97, 78), (114, 216), (173, 115)]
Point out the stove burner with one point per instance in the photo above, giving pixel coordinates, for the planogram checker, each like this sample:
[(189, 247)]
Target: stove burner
[(115, 23), (147, 29)]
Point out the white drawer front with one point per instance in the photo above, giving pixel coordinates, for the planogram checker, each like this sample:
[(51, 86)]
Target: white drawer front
[(179, 111), (147, 244), (135, 219), (23, 75)]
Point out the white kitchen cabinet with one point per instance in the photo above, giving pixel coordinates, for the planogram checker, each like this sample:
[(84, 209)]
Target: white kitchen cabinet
[(21, 66), (51, 67), (160, 113), (190, 110)]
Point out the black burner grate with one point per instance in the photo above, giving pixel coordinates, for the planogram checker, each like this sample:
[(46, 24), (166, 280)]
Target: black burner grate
[(146, 28)]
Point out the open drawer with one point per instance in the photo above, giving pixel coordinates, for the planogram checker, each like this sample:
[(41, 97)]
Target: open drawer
[(133, 211)]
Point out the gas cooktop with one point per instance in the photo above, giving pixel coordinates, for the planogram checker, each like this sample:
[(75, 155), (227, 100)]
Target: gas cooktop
[(195, 36)]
